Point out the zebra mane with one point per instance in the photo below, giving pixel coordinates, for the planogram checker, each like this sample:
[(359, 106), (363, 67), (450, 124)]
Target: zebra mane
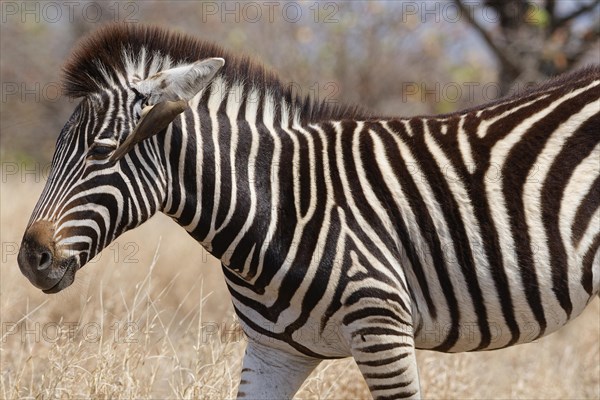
[(114, 53), (565, 81)]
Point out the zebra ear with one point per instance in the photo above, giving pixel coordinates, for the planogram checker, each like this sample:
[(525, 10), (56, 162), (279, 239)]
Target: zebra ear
[(180, 83), (168, 93), (154, 119)]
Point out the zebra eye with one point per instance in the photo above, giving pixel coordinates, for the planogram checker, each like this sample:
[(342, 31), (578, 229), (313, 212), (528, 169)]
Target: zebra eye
[(100, 151)]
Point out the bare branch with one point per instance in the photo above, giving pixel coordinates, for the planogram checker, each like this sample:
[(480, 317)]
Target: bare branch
[(559, 22), (500, 54), (551, 9)]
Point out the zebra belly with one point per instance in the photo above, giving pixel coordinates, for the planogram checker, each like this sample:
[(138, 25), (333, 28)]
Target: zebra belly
[(432, 332), (515, 267)]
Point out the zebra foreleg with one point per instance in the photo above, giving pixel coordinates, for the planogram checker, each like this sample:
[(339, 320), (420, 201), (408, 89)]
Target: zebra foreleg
[(269, 373), (386, 358)]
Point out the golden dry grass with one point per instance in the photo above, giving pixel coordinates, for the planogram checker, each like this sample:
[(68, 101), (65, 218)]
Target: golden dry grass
[(149, 320)]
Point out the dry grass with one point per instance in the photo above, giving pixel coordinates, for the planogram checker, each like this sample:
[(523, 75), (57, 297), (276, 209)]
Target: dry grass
[(148, 320)]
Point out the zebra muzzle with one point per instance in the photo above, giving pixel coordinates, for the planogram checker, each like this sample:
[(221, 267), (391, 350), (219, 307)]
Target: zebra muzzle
[(38, 261)]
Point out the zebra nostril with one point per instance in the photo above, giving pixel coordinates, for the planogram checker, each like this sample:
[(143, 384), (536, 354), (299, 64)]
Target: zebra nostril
[(45, 260)]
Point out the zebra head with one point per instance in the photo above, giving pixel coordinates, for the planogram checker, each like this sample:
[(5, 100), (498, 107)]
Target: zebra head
[(108, 170)]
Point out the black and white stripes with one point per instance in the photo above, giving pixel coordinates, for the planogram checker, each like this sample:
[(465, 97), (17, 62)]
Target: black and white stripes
[(340, 234)]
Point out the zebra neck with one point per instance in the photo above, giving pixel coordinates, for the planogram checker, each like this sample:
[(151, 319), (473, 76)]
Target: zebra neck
[(222, 165)]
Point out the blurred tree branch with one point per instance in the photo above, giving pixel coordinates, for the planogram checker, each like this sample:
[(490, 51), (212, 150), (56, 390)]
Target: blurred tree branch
[(557, 23), (532, 40), (498, 51)]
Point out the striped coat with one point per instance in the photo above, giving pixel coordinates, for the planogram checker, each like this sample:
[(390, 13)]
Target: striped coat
[(340, 233)]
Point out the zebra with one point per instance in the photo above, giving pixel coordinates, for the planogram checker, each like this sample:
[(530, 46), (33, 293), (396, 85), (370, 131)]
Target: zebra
[(339, 233)]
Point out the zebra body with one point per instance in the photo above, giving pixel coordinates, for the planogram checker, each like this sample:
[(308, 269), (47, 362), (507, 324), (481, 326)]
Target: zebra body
[(340, 234)]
